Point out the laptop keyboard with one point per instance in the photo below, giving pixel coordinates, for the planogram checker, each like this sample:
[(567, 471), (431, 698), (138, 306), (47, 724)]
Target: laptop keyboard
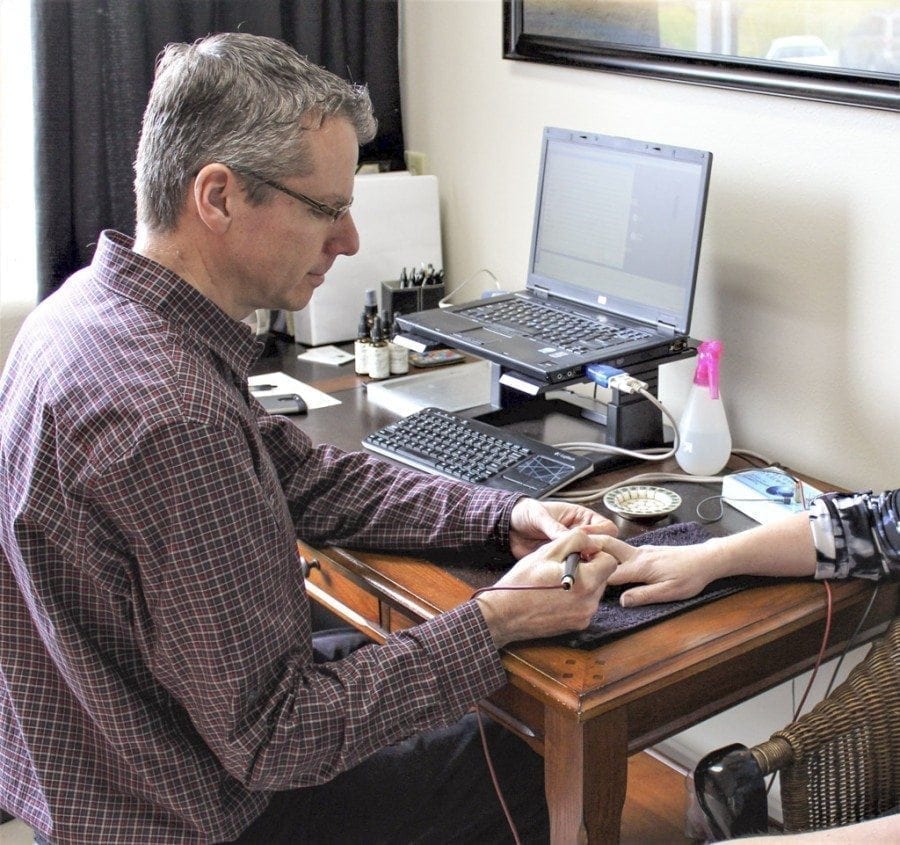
[(572, 332), (443, 443)]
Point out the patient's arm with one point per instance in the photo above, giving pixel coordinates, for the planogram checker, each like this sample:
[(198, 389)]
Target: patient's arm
[(843, 535), (667, 573)]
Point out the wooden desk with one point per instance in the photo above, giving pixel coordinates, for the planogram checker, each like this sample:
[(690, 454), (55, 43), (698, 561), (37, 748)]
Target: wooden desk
[(587, 710)]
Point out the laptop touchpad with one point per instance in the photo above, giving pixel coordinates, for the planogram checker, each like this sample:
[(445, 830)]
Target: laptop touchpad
[(444, 321), (483, 337)]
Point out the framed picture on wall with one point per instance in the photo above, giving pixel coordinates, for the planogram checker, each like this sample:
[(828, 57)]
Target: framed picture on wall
[(842, 51)]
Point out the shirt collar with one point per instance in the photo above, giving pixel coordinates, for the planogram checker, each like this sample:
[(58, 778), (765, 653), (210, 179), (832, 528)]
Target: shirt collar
[(142, 280)]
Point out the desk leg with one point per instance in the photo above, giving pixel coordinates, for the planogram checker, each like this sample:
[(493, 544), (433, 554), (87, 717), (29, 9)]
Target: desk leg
[(586, 771)]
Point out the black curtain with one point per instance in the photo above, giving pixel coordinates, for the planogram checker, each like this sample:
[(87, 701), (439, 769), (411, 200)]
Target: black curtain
[(94, 62)]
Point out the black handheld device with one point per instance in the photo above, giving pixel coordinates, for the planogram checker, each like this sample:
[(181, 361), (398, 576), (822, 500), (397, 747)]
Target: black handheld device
[(283, 403)]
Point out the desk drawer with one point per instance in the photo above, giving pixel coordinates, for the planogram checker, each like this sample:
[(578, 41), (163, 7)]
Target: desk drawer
[(333, 586), (521, 713)]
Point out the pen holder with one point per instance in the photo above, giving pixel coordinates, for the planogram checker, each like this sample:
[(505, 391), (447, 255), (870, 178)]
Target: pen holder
[(405, 300)]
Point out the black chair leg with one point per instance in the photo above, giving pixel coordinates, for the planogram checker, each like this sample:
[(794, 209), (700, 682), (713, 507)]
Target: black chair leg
[(731, 791)]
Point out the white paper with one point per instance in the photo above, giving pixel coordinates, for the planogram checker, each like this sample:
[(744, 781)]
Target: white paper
[(282, 383), (326, 355)]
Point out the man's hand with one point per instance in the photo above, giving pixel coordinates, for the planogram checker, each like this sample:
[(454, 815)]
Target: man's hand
[(533, 523), (521, 613)]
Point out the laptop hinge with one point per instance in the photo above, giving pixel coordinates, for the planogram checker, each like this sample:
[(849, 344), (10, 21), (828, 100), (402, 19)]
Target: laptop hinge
[(665, 328), (540, 293)]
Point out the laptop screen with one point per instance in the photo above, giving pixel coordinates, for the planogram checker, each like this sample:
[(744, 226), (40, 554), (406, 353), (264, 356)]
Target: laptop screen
[(618, 224)]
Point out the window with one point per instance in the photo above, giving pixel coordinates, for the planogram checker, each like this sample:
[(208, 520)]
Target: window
[(18, 259)]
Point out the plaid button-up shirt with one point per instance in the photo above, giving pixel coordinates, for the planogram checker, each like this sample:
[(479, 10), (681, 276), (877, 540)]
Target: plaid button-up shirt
[(156, 678)]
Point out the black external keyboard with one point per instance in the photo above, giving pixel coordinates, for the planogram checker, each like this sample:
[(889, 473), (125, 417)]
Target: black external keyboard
[(574, 332), (446, 444)]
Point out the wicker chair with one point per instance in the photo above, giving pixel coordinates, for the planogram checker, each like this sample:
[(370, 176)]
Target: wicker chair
[(838, 763)]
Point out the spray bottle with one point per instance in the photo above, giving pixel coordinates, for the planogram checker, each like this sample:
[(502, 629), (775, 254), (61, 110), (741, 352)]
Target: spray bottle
[(705, 444)]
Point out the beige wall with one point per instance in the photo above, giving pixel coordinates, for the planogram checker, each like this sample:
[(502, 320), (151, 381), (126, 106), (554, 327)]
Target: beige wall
[(800, 270), (801, 255)]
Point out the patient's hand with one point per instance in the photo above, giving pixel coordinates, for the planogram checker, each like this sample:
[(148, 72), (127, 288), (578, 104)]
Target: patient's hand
[(667, 573)]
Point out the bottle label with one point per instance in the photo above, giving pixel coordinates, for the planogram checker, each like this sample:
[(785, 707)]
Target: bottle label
[(361, 357), (399, 357), (379, 361)]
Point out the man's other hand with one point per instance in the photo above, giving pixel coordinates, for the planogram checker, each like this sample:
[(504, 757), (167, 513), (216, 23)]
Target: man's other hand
[(520, 612)]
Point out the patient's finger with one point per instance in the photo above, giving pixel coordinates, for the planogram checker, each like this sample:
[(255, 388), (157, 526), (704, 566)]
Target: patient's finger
[(616, 548)]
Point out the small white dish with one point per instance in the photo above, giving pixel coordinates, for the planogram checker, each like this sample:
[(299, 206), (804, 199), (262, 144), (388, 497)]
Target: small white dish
[(642, 502)]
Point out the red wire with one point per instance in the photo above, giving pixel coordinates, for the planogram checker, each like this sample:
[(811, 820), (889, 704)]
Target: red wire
[(825, 636), (821, 654), (518, 587), (490, 765), (484, 743)]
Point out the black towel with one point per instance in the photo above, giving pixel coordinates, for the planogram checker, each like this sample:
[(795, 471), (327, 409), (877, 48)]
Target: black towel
[(611, 620)]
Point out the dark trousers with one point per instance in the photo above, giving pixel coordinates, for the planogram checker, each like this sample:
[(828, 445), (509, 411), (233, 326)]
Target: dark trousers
[(433, 788)]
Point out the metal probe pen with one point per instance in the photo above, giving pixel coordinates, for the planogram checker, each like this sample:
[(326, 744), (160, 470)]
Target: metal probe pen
[(572, 562)]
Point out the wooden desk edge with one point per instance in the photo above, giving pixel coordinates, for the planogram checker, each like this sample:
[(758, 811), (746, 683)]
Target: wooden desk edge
[(539, 669)]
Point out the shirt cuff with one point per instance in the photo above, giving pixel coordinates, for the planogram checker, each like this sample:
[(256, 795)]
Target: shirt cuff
[(470, 667), (486, 502), (853, 535)]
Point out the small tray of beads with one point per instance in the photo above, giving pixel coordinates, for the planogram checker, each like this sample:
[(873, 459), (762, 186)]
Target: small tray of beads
[(642, 502)]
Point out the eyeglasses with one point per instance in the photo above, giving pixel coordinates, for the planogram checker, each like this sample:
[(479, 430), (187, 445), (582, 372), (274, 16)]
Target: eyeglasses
[(335, 213)]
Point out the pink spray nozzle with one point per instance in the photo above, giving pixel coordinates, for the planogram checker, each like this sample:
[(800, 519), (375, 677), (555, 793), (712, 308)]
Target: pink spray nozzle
[(707, 372)]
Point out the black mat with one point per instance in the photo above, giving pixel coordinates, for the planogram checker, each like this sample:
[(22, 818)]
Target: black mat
[(611, 620)]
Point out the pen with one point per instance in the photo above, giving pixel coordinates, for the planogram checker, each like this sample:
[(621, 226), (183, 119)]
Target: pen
[(572, 562), (255, 387)]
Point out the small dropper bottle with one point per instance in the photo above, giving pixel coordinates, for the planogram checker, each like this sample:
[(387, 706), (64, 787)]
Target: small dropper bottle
[(371, 308), (361, 347), (399, 355), (379, 358)]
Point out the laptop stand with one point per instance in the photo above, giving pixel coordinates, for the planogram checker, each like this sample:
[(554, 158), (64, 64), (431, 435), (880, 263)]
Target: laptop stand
[(551, 414)]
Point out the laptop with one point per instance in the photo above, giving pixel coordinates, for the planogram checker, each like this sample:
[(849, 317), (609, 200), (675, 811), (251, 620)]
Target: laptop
[(613, 266)]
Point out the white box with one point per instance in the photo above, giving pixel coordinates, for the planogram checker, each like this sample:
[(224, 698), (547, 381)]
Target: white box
[(398, 219), (453, 388)]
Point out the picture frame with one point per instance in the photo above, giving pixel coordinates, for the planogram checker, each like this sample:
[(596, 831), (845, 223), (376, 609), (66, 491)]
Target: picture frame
[(638, 37)]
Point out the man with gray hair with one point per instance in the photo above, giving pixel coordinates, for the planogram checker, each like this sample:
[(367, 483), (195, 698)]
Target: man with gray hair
[(160, 679)]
